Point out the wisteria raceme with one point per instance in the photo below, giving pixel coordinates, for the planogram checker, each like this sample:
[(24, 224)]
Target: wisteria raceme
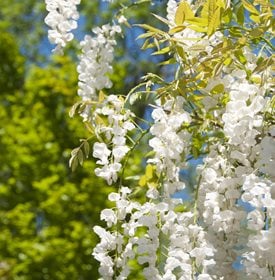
[(223, 181), (170, 143), (115, 131), (159, 223), (62, 19), (227, 230), (95, 63)]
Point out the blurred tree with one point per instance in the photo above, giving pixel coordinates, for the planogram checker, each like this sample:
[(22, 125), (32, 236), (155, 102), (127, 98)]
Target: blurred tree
[(46, 211)]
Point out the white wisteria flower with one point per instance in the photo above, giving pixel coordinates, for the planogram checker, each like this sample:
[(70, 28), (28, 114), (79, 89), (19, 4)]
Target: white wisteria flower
[(62, 19)]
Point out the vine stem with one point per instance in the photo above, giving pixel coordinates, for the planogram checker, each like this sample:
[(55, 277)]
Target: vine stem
[(130, 151), (195, 220), (196, 200), (161, 254)]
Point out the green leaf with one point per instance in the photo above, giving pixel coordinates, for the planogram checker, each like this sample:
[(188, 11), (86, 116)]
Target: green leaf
[(176, 29), (227, 16), (217, 69), (184, 12), (150, 28), (162, 51), (217, 89), (73, 163), (211, 12), (214, 22), (80, 156), (146, 44), (181, 52), (74, 151), (180, 16), (164, 20), (74, 109), (101, 96), (156, 42), (255, 18), (142, 181), (257, 32), (250, 7), (240, 15), (263, 64), (198, 24), (149, 171), (86, 147), (227, 61), (240, 56), (208, 9), (169, 61), (146, 35)]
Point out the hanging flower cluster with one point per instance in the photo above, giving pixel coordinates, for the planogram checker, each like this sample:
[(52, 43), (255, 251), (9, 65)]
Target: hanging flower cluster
[(62, 19), (143, 228), (95, 63), (115, 132), (170, 142), (218, 107)]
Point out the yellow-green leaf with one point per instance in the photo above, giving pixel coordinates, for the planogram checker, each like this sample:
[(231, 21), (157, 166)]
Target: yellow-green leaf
[(250, 7), (255, 18), (181, 52), (146, 35), (214, 22), (150, 28), (209, 9), (217, 89), (162, 51), (263, 64), (227, 61), (80, 157), (227, 16), (257, 32), (184, 12), (169, 61), (86, 147), (240, 56), (142, 181), (200, 22), (240, 15), (217, 69), (73, 163), (101, 96), (180, 16), (176, 29), (149, 172)]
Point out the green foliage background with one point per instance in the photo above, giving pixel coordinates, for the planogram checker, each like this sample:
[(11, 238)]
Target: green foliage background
[(46, 211)]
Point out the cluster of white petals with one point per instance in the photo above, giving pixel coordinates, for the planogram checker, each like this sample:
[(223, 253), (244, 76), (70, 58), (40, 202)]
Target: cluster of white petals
[(62, 19), (171, 10), (95, 63), (205, 241), (259, 260), (146, 228), (221, 216), (114, 131), (169, 141), (237, 172)]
